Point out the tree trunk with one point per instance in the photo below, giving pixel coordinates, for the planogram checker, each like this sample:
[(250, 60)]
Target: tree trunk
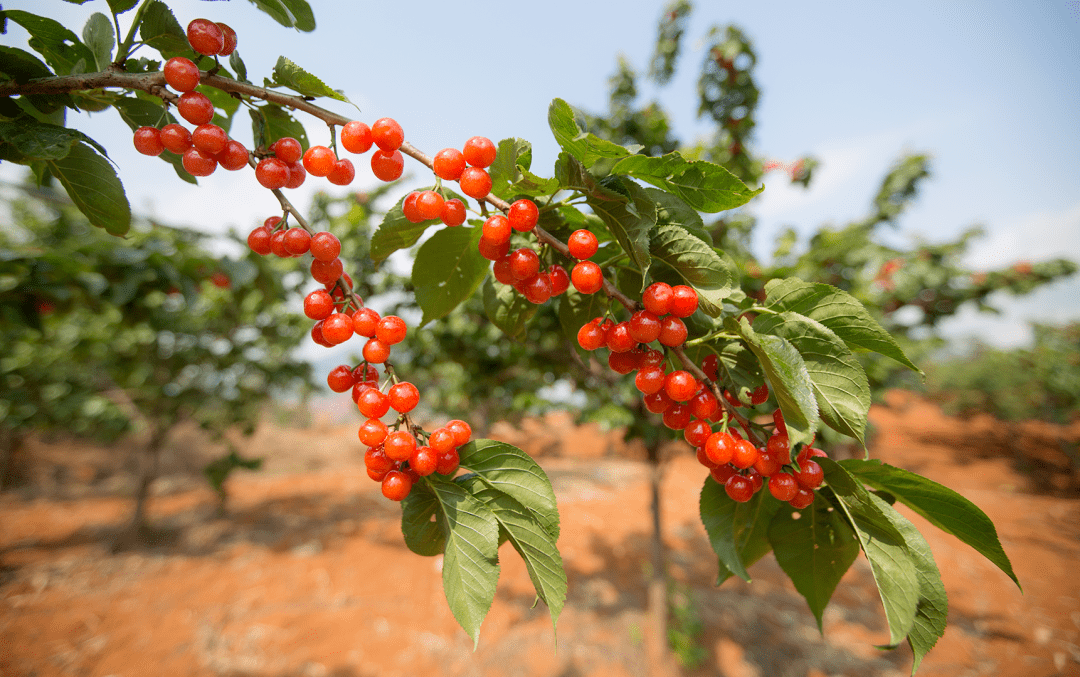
[(10, 445), (149, 463), (657, 649)]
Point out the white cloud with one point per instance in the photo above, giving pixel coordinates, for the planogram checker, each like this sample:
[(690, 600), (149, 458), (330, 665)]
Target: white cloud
[(1035, 236)]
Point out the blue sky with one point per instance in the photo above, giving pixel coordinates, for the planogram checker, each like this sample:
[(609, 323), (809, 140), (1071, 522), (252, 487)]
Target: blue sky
[(990, 89)]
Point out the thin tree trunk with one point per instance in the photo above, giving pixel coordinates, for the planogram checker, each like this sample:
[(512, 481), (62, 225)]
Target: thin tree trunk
[(10, 445), (149, 464), (657, 649)]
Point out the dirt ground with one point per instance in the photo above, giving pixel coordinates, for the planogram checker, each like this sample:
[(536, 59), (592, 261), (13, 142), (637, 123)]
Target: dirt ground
[(306, 574)]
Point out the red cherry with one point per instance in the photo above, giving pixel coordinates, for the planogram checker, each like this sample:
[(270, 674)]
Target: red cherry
[(404, 397), (429, 205), (453, 212), (356, 137), (364, 322), (479, 151), (234, 156), (342, 173), (259, 242), (560, 280), (684, 301), (340, 378), (319, 161), (391, 330), (523, 215), (272, 173), (657, 298), (318, 305), (644, 327), (287, 149), (175, 138), (672, 331), (205, 37), (582, 244), (387, 134), (387, 166), (195, 108), (325, 247), (198, 163), (396, 485), (587, 277), (148, 141), (475, 182), (448, 164), (181, 74), (230, 39)]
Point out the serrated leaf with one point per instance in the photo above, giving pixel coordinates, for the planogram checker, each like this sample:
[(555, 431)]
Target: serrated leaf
[(739, 367), (99, 37), (534, 544), (22, 66), (738, 532), (700, 266), (289, 13), (704, 186), (121, 6), (672, 211), (814, 550), (507, 309), (161, 30), (471, 554), (137, 113), (630, 222), (40, 140), (837, 310), (838, 380), (504, 170), (586, 147), (510, 470), (288, 74), (789, 380), (939, 505), (419, 522), (62, 49), (237, 64), (396, 232), (447, 270), (272, 122), (93, 186), (885, 547)]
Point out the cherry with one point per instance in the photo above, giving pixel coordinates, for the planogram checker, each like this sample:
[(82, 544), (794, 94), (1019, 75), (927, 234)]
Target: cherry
[(582, 244), (442, 439), (493, 251), (703, 459), (318, 305), (722, 473), (342, 173), (759, 394), (175, 138), (396, 485), (732, 400), (650, 379), (277, 245), (448, 462), (524, 264), (408, 207), (657, 298), (704, 404), (297, 241), (697, 432), (501, 270), (205, 37), (658, 402), (337, 328), (672, 331), (625, 362), (364, 322), (720, 448), (537, 289), (778, 445), (198, 163), (619, 339), (365, 374), (453, 212), (181, 74), (587, 277), (356, 137), (711, 366), (387, 166), (209, 138), (802, 499), (376, 459), (479, 151), (404, 397), (809, 475), (768, 464), (148, 141), (677, 416), (740, 489), (340, 378), (591, 336), (429, 205), (375, 351), (778, 421), (373, 403), (756, 479), (680, 385), (230, 39), (684, 301), (288, 150), (523, 215), (259, 242), (317, 337), (497, 229), (462, 431), (387, 134), (319, 160), (326, 271), (391, 330), (234, 156), (325, 246), (652, 358), (475, 182), (644, 327), (560, 280), (424, 461), (373, 432), (448, 164), (783, 486), (272, 173), (195, 108), (744, 454)]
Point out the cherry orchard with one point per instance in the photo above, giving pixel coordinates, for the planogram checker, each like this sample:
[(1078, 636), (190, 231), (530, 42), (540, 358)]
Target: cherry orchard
[(614, 238)]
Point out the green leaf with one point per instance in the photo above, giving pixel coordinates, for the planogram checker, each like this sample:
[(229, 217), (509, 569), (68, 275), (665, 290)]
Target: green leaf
[(739, 367), (672, 211), (814, 547), (885, 547), (447, 270), (161, 30), (138, 113), (237, 64), (535, 545), (839, 382), (586, 147), (40, 140), (121, 6), (22, 66), (396, 232), (471, 555), (272, 122), (939, 505), (738, 532), (837, 310), (93, 186), (630, 223), (61, 48), (507, 309), (700, 266), (99, 37), (504, 170), (510, 470), (288, 74), (289, 13), (534, 186), (419, 522), (705, 186), (788, 378)]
